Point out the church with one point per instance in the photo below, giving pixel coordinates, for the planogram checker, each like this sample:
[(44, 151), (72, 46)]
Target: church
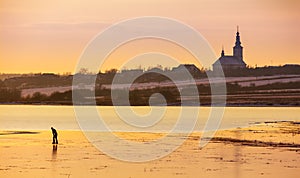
[(227, 62)]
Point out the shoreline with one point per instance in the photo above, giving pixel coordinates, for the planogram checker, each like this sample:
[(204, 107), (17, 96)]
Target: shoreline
[(204, 105), (268, 149)]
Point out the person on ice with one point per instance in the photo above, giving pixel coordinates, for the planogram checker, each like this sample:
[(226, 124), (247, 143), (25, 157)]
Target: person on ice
[(54, 132)]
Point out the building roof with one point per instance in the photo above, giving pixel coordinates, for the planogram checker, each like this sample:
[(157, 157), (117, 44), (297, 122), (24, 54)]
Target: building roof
[(186, 66), (230, 60)]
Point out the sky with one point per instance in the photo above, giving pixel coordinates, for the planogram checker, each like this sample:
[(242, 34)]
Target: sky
[(50, 36)]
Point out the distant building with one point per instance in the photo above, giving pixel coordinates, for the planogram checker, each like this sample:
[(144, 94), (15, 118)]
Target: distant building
[(189, 67), (235, 61)]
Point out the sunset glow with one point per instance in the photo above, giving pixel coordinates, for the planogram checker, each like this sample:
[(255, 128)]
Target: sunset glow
[(49, 36)]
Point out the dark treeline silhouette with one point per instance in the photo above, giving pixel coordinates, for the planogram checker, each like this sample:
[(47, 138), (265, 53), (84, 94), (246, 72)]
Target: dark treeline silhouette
[(55, 98), (9, 94), (54, 80), (281, 94), (277, 93), (264, 71)]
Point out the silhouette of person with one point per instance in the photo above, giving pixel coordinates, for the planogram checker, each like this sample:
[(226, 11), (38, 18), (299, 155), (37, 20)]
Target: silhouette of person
[(55, 141)]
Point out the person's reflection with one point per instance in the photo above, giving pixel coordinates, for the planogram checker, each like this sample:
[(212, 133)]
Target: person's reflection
[(54, 152)]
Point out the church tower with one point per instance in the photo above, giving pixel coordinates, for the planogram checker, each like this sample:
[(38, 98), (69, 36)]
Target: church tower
[(238, 49), (228, 62)]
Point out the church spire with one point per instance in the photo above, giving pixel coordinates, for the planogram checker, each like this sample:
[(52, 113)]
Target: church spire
[(237, 38)]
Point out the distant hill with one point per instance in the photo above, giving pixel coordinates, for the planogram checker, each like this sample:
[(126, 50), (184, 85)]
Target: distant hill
[(7, 76)]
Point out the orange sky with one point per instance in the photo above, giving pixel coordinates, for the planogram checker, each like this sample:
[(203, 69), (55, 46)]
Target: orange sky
[(49, 36)]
